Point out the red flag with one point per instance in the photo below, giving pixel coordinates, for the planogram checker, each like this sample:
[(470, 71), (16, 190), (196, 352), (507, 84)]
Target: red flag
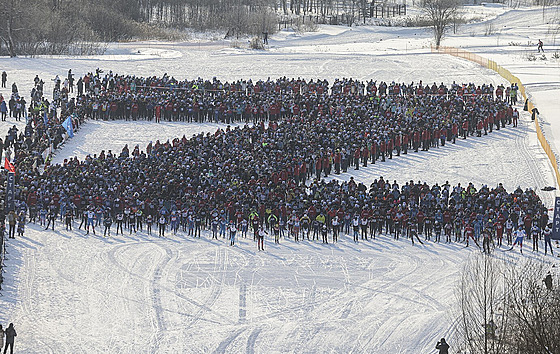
[(9, 166)]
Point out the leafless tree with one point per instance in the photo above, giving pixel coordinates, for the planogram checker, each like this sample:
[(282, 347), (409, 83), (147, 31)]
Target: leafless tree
[(441, 14), (504, 307)]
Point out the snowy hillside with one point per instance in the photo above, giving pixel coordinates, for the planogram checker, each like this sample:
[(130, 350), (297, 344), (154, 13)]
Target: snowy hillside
[(75, 293)]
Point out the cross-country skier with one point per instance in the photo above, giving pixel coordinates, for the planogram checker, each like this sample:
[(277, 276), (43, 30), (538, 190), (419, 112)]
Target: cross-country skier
[(260, 238), (519, 235), (547, 241), (232, 231), (107, 222)]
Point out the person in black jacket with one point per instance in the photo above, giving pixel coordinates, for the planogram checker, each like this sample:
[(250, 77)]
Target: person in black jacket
[(442, 346), (10, 336)]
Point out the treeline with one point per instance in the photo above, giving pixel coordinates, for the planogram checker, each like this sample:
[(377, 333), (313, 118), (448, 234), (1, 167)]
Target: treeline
[(32, 27)]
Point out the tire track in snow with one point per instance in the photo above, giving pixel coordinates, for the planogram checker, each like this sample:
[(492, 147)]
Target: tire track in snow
[(223, 346), (252, 340), (30, 262), (220, 265), (158, 288), (156, 297)]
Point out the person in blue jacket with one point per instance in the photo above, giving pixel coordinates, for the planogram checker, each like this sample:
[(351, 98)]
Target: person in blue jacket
[(3, 110)]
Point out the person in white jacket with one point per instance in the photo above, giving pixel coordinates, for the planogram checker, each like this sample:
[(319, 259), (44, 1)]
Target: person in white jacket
[(232, 232), (519, 235)]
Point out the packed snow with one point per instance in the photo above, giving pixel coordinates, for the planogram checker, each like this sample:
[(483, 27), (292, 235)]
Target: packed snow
[(75, 293)]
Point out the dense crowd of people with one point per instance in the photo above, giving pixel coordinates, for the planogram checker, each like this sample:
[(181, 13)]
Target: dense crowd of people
[(267, 177)]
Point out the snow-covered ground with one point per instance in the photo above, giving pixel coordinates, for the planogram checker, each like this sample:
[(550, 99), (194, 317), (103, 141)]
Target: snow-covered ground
[(72, 293), (512, 39)]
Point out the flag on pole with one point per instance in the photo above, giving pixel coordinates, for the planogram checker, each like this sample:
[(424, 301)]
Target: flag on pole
[(67, 124), (9, 166)]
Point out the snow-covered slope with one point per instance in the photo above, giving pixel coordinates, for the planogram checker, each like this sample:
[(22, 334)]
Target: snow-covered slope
[(72, 293)]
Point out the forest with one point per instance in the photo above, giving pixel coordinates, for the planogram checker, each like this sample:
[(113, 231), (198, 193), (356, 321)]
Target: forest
[(78, 27)]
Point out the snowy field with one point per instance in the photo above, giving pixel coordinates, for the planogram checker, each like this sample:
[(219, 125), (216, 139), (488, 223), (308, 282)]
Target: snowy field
[(72, 293)]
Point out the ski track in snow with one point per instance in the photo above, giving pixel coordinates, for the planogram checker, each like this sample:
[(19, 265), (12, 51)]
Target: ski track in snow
[(74, 293)]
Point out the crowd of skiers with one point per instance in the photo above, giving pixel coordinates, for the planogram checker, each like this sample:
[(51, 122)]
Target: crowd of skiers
[(319, 211), (273, 169), (112, 96)]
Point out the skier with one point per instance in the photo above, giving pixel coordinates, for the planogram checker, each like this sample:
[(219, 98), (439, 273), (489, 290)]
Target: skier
[(214, 227), (232, 231), (355, 227), (10, 337), (51, 216), (547, 241), (540, 46), (437, 230), (245, 227), (276, 231), (260, 238), (535, 235), (519, 235), (90, 221), (509, 230), (335, 225), (499, 227), (469, 233), (364, 226), (149, 222), (68, 218), (161, 222), (12, 219), (120, 220), (413, 232), (107, 222), (324, 233), (442, 346), (487, 240), (174, 222), (21, 223)]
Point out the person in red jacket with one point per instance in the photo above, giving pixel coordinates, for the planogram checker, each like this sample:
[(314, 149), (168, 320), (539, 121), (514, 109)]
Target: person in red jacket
[(365, 155), (469, 233), (398, 144), (426, 140), (357, 154), (373, 151), (337, 159), (326, 165), (479, 127), (499, 227), (405, 143), (527, 223), (318, 167), (465, 128), (158, 113)]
